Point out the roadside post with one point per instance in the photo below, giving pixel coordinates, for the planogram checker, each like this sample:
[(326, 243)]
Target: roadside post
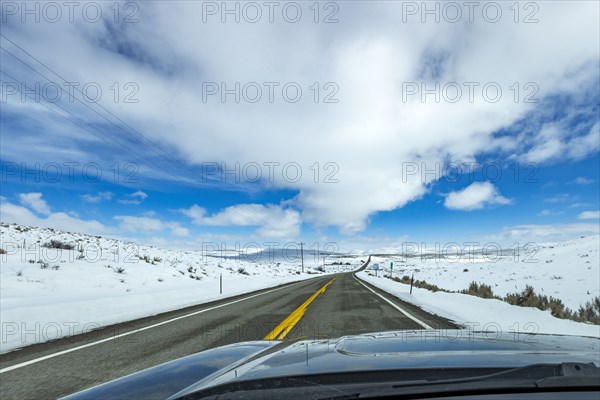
[(391, 269), (411, 282), (302, 255), (221, 283)]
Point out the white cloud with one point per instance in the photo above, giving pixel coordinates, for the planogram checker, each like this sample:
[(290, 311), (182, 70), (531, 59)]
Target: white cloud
[(554, 142), (35, 202), (548, 213), (589, 215), (101, 196), (139, 224), (272, 221), (474, 197), (63, 221), (73, 223), (180, 231), (369, 133), (548, 145), (582, 180), (581, 146), (195, 212), (523, 234), (134, 198), (147, 224), (559, 198), (580, 205)]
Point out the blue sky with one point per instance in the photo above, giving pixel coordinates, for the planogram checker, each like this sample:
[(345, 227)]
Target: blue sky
[(163, 122)]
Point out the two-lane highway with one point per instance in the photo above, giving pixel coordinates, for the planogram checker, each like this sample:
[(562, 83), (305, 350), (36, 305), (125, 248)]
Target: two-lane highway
[(323, 307)]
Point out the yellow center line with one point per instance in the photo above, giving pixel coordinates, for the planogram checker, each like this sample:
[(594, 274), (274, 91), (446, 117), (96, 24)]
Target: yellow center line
[(287, 324)]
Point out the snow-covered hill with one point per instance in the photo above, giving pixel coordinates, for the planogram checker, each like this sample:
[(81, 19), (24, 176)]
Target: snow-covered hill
[(47, 293), (568, 270)]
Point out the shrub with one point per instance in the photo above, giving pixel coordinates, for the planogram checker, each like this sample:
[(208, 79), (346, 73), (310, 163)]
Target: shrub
[(529, 298), (320, 268), (2, 251), (119, 270), (242, 271), (57, 244), (590, 312), (417, 283), (428, 286), (157, 259), (43, 264), (480, 290)]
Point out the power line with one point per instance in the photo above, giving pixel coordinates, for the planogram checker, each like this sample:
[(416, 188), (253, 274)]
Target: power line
[(240, 212), (154, 145), (244, 213), (163, 154), (73, 115)]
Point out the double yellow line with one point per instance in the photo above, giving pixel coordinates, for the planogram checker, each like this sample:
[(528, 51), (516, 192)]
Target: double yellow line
[(286, 326)]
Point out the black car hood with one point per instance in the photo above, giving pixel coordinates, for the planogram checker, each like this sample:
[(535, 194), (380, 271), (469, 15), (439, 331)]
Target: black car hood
[(366, 352)]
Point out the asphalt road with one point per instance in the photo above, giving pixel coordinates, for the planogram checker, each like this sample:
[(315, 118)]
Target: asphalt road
[(323, 307)]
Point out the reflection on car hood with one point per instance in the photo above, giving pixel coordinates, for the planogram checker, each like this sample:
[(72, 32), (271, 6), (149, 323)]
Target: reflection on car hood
[(366, 352)]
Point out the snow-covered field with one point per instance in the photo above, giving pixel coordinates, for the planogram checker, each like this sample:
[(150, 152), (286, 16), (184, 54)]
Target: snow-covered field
[(567, 270), (50, 293)]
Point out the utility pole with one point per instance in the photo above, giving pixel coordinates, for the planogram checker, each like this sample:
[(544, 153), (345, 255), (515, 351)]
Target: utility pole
[(302, 255)]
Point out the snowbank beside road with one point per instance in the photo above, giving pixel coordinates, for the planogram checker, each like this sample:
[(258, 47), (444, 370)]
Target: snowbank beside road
[(476, 313)]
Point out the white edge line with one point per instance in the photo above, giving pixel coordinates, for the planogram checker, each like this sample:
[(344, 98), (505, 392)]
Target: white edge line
[(418, 321), (48, 356)]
